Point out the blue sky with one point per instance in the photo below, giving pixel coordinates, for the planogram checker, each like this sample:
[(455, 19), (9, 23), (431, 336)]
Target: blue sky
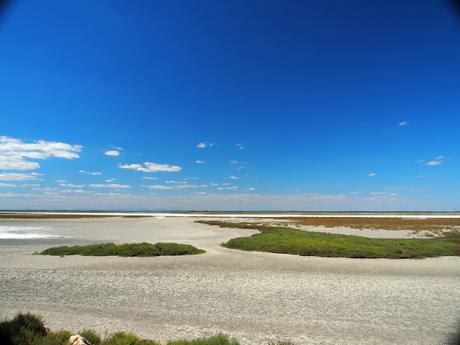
[(298, 105)]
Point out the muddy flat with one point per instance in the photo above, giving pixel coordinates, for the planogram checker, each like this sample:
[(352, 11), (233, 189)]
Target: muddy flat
[(256, 297)]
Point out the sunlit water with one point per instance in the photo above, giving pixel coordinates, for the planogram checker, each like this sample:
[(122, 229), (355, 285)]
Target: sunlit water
[(24, 232)]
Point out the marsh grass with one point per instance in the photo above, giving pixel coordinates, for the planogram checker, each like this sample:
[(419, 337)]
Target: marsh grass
[(411, 224), (305, 243), (128, 249), (28, 329)]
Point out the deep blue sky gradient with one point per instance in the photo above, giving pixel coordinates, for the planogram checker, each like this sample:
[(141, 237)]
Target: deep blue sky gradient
[(314, 89)]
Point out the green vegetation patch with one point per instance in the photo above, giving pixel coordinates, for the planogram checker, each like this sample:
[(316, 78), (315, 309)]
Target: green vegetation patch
[(127, 249), (218, 339), (291, 241), (28, 329)]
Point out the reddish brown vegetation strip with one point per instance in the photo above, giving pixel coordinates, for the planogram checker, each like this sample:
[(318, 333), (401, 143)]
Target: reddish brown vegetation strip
[(417, 224)]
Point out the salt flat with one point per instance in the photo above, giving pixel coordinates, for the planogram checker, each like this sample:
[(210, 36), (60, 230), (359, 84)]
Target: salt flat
[(255, 297)]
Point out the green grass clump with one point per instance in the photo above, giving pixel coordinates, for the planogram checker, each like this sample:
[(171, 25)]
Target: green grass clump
[(128, 249), (291, 241), (91, 336), (28, 329), (218, 339), (122, 338)]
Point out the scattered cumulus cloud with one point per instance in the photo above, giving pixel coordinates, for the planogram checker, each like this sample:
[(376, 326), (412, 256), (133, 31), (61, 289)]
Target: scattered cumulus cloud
[(150, 178), (92, 173), (109, 185), (19, 176), (112, 153), (251, 189), (199, 161), (175, 186), (204, 145), (404, 124), (240, 146), (18, 155), (110, 180), (233, 177), (228, 188), (371, 174), (437, 161), (151, 167), (72, 185)]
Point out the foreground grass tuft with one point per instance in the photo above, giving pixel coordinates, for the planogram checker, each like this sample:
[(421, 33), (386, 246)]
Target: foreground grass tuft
[(128, 249), (218, 339), (291, 241), (28, 329)]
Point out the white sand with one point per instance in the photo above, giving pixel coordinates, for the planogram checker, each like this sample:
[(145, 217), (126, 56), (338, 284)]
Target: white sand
[(255, 297)]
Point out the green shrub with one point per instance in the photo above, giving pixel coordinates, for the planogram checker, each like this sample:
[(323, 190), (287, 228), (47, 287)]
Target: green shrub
[(127, 249), (218, 339), (122, 338), (56, 338), (274, 239), (23, 329), (91, 336)]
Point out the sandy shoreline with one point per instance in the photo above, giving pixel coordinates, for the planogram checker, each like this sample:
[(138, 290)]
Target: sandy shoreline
[(256, 297), (249, 215)]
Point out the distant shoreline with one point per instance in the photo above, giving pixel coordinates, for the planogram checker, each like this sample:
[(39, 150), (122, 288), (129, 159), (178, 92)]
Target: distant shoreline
[(224, 214)]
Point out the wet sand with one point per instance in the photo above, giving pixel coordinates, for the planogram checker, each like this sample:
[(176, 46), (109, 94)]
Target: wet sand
[(256, 297)]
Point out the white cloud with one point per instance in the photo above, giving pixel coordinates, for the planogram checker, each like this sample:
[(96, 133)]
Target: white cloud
[(175, 186), (175, 182), (228, 188), (18, 176), (77, 191), (371, 174), (71, 185), (437, 161), (240, 146), (110, 185), (199, 161), (149, 178), (203, 145), (232, 177), (251, 189), (233, 161), (18, 155), (7, 185), (110, 180), (92, 173), (112, 153), (151, 167), (159, 187), (404, 124)]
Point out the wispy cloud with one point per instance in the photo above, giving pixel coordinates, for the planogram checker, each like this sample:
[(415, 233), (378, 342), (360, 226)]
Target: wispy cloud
[(372, 174), (175, 186), (204, 145), (72, 185), (437, 161), (233, 161), (92, 173), (112, 153), (109, 185), (199, 161), (233, 177), (151, 167), (19, 176), (150, 178), (18, 155), (404, 124), (228, 188), (240, 146)]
